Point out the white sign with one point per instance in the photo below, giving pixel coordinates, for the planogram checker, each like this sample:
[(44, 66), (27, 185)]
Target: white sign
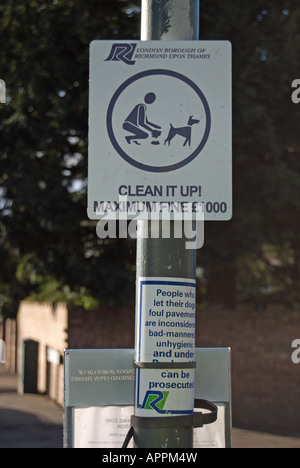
[(100, 395), (53, 356), (166, 333), (2, 352), (160, 129), (2, 92), (107, 427)]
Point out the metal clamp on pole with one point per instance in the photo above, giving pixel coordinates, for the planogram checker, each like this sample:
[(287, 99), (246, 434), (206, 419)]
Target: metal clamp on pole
[(165, 365), (203, 419), (196, 420)]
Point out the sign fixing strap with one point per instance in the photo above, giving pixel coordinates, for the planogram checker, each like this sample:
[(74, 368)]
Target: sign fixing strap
[(165, 365), (197, 419)]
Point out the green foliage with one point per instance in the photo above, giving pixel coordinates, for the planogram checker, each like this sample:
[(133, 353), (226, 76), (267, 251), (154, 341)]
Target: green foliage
[(48, 249), (272, 277), (266, 149)]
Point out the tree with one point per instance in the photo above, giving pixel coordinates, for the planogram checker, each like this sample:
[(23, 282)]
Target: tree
[(47, 245), (43, 150), (266, 162)]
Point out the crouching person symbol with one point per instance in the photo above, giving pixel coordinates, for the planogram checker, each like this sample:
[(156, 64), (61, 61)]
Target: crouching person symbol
[(138, 124)]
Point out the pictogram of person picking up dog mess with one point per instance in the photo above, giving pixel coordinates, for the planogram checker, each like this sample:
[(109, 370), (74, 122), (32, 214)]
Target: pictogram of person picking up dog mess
[(141, 128)]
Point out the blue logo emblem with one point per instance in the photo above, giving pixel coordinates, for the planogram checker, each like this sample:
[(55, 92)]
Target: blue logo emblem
[(122, 53), (155, 401)]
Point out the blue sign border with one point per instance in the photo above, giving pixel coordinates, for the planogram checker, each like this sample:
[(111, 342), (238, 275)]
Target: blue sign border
[(146, 167)]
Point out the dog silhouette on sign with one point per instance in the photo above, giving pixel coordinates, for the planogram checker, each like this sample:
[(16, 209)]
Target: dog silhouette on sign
[(185, 132)]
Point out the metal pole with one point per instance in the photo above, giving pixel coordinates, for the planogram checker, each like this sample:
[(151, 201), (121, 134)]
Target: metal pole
[(170, 20), (158, 257)]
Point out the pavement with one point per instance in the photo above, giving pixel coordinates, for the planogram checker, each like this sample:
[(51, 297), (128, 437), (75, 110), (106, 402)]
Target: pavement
[(34, 421), (27, 421)]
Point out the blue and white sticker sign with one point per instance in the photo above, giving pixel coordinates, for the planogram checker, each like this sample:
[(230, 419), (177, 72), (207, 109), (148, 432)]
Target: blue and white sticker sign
[(160, 129), (165, 333)]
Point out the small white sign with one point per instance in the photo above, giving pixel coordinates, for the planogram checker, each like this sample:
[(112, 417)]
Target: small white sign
[(2, 92), (53, 356), (2, 352), (101, 427), (160, 129)]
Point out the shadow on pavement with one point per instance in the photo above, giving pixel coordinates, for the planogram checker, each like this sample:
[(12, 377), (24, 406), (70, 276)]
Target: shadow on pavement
[(24, 430)]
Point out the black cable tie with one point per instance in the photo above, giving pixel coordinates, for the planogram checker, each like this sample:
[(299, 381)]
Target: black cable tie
[(165, 365), (196, 420)]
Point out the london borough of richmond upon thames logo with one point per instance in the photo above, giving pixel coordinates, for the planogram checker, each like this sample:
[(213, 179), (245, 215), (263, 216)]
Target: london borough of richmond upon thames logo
[(122, 53), (157, 120)]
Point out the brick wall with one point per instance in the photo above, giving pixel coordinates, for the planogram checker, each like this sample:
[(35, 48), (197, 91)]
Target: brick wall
[(10, 334), (58, 328), (48, 326), (103, 327), (265, 382)]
